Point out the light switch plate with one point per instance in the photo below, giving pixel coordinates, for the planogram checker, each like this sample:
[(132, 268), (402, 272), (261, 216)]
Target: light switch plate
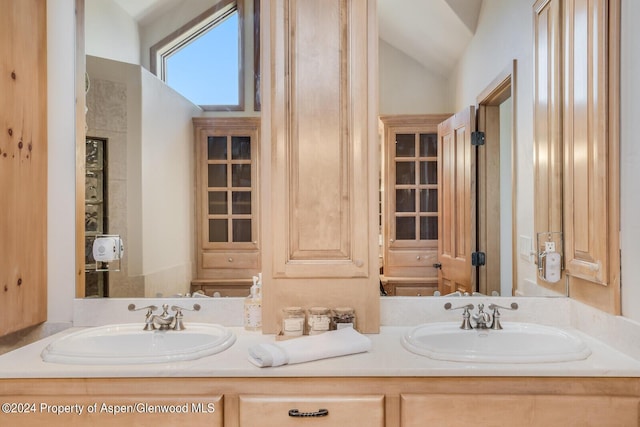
[(524, 248)]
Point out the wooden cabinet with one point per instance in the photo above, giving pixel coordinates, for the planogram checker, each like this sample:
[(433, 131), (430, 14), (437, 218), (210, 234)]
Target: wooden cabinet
[(114, 409), (526, 410), (410, 202), (591, 144), (23, 165), (350, 401), (548, 122), (337, 410), (227, 201), (319, 74), (577, 141)]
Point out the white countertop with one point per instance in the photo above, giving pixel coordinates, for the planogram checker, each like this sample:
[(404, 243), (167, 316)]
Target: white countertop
[(387, 358)]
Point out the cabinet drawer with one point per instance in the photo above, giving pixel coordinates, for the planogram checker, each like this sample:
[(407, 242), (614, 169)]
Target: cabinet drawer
[(231, 260), (110, 410), (415, 291), (348, 410), (518, 410), (412, 259)]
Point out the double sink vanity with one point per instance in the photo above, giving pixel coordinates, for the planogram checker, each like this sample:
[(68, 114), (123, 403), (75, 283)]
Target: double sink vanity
[(546, 366)]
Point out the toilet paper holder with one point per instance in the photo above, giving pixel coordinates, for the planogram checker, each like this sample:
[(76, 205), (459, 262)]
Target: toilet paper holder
[(108, 248), (550, 255)]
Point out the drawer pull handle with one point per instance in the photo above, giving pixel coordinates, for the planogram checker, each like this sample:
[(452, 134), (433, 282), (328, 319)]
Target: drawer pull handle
[(318, 413)]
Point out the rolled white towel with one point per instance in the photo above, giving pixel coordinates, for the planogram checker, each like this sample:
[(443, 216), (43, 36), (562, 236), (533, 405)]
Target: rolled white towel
[(313, 347)]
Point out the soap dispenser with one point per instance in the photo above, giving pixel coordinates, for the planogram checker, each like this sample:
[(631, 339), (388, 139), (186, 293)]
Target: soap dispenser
[(253, 308)]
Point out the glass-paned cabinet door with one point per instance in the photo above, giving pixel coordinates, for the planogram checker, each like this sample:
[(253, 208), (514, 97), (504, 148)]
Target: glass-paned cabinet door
[(227, 183), (413, 158)]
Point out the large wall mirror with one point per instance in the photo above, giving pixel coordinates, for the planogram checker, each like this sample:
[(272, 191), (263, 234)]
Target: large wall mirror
[(140, 164)]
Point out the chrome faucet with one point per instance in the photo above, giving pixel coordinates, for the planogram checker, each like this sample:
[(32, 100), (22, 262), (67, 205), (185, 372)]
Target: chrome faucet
[(148, 320), (496, 314), (482, 318), (466, 324), (164, 321), (178, 325)]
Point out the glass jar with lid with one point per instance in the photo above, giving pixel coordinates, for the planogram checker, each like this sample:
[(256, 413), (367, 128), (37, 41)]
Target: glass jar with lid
[(343, 317), (293, 321), (318, 320)]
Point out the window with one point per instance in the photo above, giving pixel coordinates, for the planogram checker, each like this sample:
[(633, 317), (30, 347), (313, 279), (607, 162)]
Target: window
[(203, 59)]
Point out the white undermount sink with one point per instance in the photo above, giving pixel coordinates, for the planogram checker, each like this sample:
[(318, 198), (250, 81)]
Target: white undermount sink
[(516, 343), (128, 343)]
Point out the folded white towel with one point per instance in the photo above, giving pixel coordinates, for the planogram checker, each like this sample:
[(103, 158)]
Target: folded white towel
[(313, 347)]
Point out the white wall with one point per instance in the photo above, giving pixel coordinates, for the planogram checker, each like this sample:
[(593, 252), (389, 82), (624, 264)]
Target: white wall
[(152, 32), (62, 152), (406, 87), (168, 195), (110, 32), (630, 160), (506, 257), (505, 33)]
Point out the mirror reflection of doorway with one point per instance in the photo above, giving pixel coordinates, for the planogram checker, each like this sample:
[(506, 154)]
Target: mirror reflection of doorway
[(496, 187), (412, 265)]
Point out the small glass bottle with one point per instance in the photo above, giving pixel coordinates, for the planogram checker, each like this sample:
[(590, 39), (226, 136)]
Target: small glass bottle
[(343, 317), (253, 308), (293, 321), (318, 320)]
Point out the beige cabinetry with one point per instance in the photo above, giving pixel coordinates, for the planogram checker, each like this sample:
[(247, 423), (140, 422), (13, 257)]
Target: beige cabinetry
[(320, 177), (339, 401), (576, 141), (410, 203), (23, 165), (336, 410), (591, 161), (126, 409), (527, 410), (227, 204)]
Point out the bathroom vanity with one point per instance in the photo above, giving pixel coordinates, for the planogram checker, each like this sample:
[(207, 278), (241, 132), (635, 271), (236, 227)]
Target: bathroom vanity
[(387, 386)]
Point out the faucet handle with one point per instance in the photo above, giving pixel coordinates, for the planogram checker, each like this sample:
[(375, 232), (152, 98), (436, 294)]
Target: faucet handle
[(148, 322), (179, 326), (132, 307), (467, 307), (514, 306), (178, 309), (495, 324), (466, 324)]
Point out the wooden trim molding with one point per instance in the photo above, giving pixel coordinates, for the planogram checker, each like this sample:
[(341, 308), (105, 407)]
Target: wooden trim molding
[(499, 90), (81, 121)]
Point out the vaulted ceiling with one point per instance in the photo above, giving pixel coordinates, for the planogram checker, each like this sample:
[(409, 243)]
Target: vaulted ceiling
[(433, 32)]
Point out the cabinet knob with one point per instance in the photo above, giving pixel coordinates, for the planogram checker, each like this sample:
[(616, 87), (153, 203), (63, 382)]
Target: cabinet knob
[(391, 240), (230, 259), (418, 257)]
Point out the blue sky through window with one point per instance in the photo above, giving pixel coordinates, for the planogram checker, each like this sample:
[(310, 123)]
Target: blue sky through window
[(205, 71)]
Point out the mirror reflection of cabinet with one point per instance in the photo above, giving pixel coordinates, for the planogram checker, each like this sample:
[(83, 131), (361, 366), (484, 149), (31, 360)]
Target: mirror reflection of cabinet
[(227, 225), (410, 225)]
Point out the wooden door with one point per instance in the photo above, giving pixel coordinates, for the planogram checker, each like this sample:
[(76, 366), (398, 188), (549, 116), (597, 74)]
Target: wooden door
[(23, 164), (456, 203)]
